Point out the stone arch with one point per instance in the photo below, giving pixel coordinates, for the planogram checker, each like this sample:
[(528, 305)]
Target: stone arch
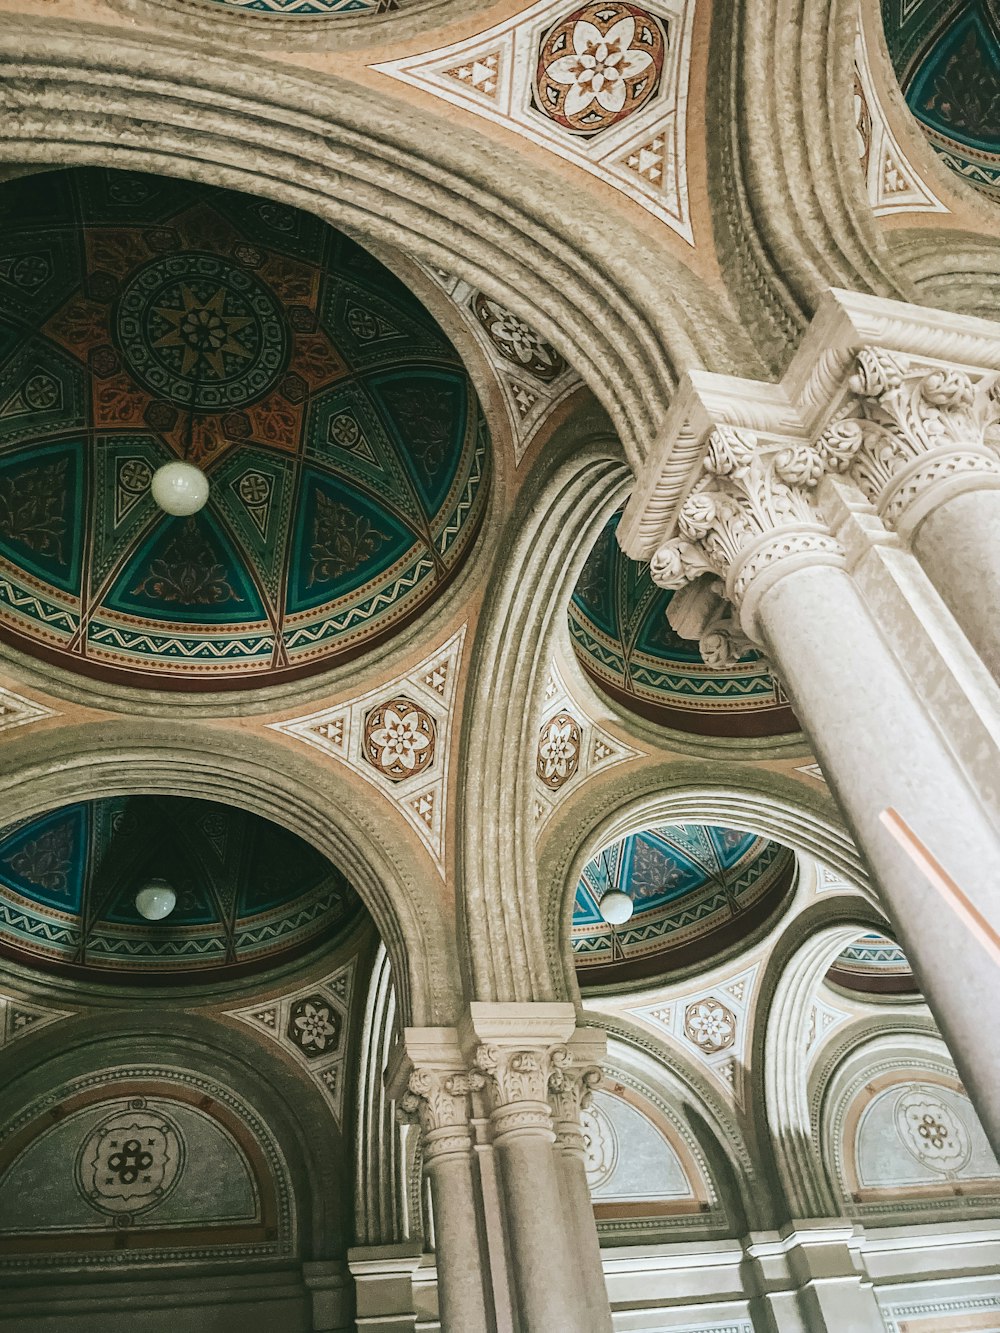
[(677, 792), (417, 183), (319, 803), (791, 212), (581, 481), (661, 1072), (868, 1065), (216, 1062)]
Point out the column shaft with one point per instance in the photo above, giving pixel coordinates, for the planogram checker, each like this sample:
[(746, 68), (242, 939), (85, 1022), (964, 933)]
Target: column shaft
[(459, 1256), (878, 748), (580, 1209), (958, 544), (545, 1266)]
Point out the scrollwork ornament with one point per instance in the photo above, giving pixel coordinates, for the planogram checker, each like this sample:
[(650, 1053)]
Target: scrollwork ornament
[(438, 1099)]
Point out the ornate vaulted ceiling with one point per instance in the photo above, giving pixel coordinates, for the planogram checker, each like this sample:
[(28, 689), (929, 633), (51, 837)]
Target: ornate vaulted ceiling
[(619, 628), (249, 894), (144, 319), (873, 964), (947, 58), (697, 890)]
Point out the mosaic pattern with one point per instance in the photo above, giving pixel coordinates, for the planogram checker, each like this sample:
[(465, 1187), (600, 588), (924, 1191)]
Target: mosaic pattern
[(947, 59), (620, 632), (248, 893), (696, 888), (874, 965), (143, 319)]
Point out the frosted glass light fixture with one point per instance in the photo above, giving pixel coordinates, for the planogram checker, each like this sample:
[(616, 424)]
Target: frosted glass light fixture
[(179, 488), (155, 900), (616, 907)]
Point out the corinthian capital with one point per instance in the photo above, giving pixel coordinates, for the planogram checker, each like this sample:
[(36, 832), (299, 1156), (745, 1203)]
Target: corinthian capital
[(752, 505), (917, 424), (438, 1099)]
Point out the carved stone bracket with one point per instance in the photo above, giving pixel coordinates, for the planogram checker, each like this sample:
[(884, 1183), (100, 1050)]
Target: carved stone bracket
[(916, 432)]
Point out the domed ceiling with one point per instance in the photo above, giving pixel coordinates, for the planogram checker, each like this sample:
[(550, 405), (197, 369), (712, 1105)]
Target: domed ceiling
[(619, 627), (873, 965), (947, 58), (249, 894), (144, 319), (697, 890)]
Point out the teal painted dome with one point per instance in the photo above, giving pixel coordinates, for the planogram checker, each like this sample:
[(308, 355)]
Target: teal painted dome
[(623, 640), (697, 890), (144, 320), (873, 964), (946, 54), (249, 893)]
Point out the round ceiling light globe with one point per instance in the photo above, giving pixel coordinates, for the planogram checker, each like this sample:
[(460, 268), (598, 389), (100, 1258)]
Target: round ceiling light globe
[(616, 907), (155, 900), (179, 488)]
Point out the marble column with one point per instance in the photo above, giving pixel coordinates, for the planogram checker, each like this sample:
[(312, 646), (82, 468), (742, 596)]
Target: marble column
[(925, 455), (519, 1047), (750, 529), (570, 1085), (439, 1100)]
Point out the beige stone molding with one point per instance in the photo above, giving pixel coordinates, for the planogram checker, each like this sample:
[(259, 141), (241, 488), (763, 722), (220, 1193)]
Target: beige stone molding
[(429, 1080)]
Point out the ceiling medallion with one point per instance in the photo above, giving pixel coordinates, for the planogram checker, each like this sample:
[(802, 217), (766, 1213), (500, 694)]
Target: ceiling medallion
[(598, 66), (400, 739), (516, 341), (201, 332), (558, 751)]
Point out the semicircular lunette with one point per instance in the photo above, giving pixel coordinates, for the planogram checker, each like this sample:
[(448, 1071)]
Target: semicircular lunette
[(946, 54), (249, 894), (872, 965), (145, 320), (697, 891), (624, 642)]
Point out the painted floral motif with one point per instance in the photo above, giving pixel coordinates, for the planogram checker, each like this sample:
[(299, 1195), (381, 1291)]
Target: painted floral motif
[(131, 1161), (517, 341), (314, 1026), (188, 573), (399, 739), (46, 860), (343, 541), (931, 1131), (33, 509), (710, 1025), (599, 65), (558, 751)]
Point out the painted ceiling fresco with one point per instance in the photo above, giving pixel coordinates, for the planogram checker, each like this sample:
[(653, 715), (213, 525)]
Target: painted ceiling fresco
[(249, 893), (144, 319), (697, 890), (619, 628), (874, 965), (947, 58)]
